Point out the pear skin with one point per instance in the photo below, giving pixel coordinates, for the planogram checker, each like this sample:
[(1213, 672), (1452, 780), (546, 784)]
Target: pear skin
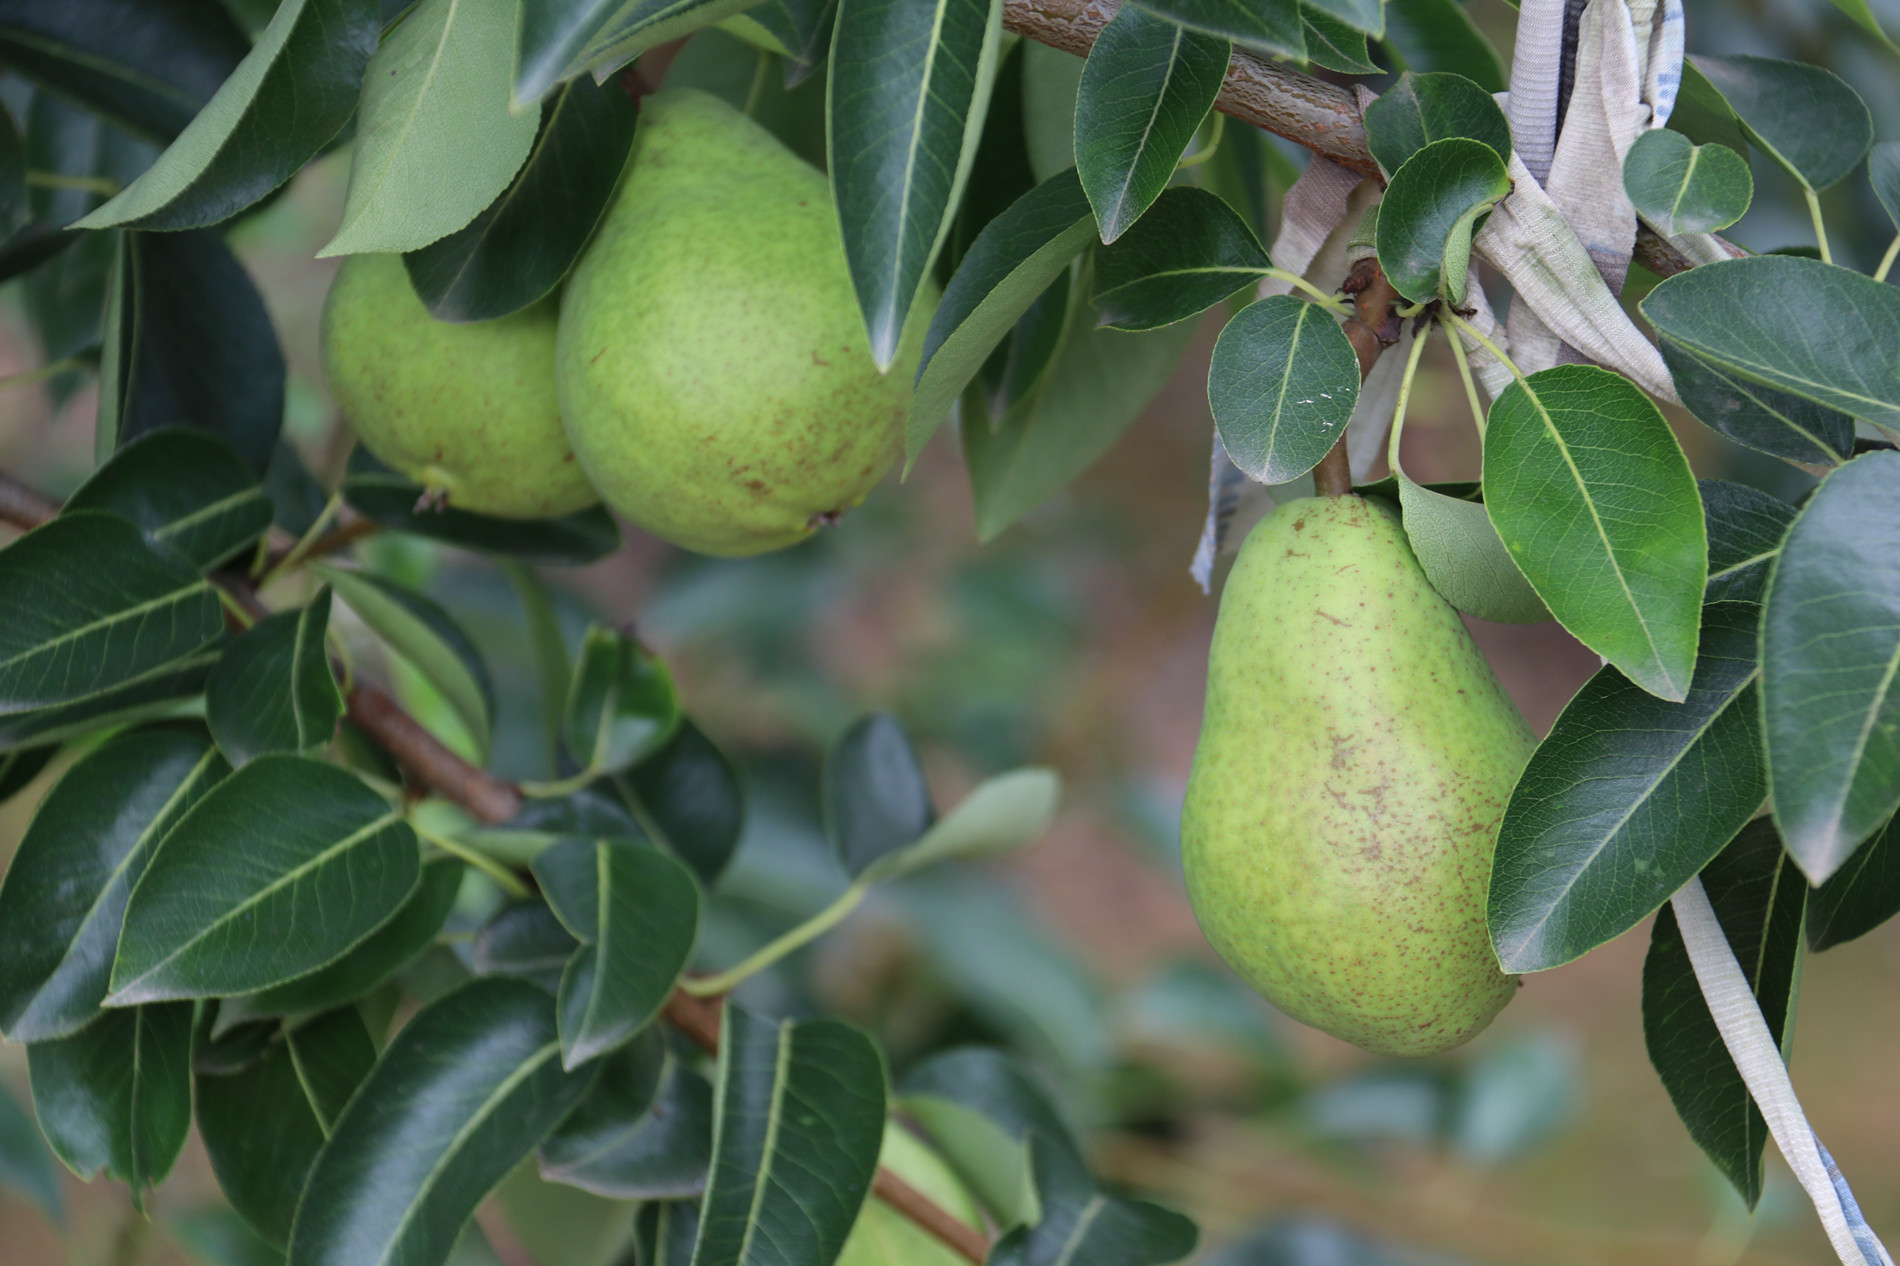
[(468, 411), (1354, 763), (715, 375)]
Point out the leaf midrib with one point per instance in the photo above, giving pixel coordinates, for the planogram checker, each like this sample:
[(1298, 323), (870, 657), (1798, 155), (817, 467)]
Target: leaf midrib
[(173, 597)]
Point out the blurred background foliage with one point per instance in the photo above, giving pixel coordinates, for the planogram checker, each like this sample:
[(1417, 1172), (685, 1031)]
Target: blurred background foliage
[(1076, 640)]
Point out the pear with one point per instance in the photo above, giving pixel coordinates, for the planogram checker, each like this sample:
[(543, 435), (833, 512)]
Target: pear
[(468, 411), (884, 1237), (1354, 763), (715, 375)]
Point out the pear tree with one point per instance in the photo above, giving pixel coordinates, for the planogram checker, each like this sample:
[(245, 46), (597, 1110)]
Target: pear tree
[(442, 959)]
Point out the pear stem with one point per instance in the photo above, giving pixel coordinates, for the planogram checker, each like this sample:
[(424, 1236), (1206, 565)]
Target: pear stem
[(1371, 329)]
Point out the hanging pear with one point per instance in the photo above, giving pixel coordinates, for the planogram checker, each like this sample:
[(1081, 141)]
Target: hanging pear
[(1354, 764), (715, 375)]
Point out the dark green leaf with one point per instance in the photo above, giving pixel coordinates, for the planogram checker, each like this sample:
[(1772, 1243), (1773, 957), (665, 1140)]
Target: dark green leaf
[(1333, 45), (154, 694), (1883, 172), (13, 205), (283, 103), (1272, 25), (980, 1107), (464, 1092), (559, 39), (1360, 15), (1002, 813), (1462, 556), (687, 797), (621, 707), (1773, 422), (1703, 116), (545, 820), (1010, 264), (296, 498), (1806, 118), (424, 635), (214, 1235), (519, 248), (188, 343), (65, 892), (666, 1231), (798, 30), (1590, 492), (272, 691), (1860, 896), (386, 951), (1420, 109), (524, 939), (1626, 800), (333, 1053), (643, 1133), (1438, 35), (186, 488), (635, 912), (1757, 896), (148, 65), (1080, 1224), (1681, 187), (1427, 216), (1282, 384), (1745, 527), (1825, 337), (117, 1094), (909, 83), (390, 499), (799, 1121), (1190, 251), (19, 767), (281, 869), (1147, 86), (94, 605), (1830, 640), (26, 1165), (875, 797), (1014, 369)]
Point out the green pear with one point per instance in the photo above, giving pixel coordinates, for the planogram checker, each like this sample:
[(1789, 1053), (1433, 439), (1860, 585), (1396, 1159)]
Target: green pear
[(1354, 763), (715, 375), (884, 1237), (468, 411)]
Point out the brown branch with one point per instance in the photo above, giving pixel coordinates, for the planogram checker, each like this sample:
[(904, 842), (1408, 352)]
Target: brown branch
[(1372, 328)]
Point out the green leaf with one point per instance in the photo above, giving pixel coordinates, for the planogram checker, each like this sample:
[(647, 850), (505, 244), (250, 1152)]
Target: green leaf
[(13, 200), (151, 75), (666, 1231), (687, 797), (909, 85), (1626, 800), (1333, 45), (272, 691), (1190, 251), (1146, 87), (797, 1123), (424, 635), (186, 488), (1270, 25), (1681, 187), (1702, 115), (390, 499), (1745, 526), (155, 694), (797, 30), (1011, 262), (1100, 382), (116, 1096), (1283, 384), (526, 940), (20, 766), (1013, 370), (1830, 644), (635, 912), (26, 1163), (1427, 217), (1052, 80), (559, 39), (435, 139), (1003, 813), (876, 800), (214, 1235), (980, 1107), (1862, 14), (65, 891), (227, 908), (1860, 896), (188, 342), (1805, 118), (1590, 492), (548, 644), (283, 103), (1080, 1224), (1438, 35), (561, 1224), (466, 1090), (1757, 896), (1883, 173), (1361, 15), (1462, 556), (381, 955), (1768, 421), (520, 247), (94, 605), (621, 707), (1826, 336), (1420, 109), (546, 820), (643, 1133)]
